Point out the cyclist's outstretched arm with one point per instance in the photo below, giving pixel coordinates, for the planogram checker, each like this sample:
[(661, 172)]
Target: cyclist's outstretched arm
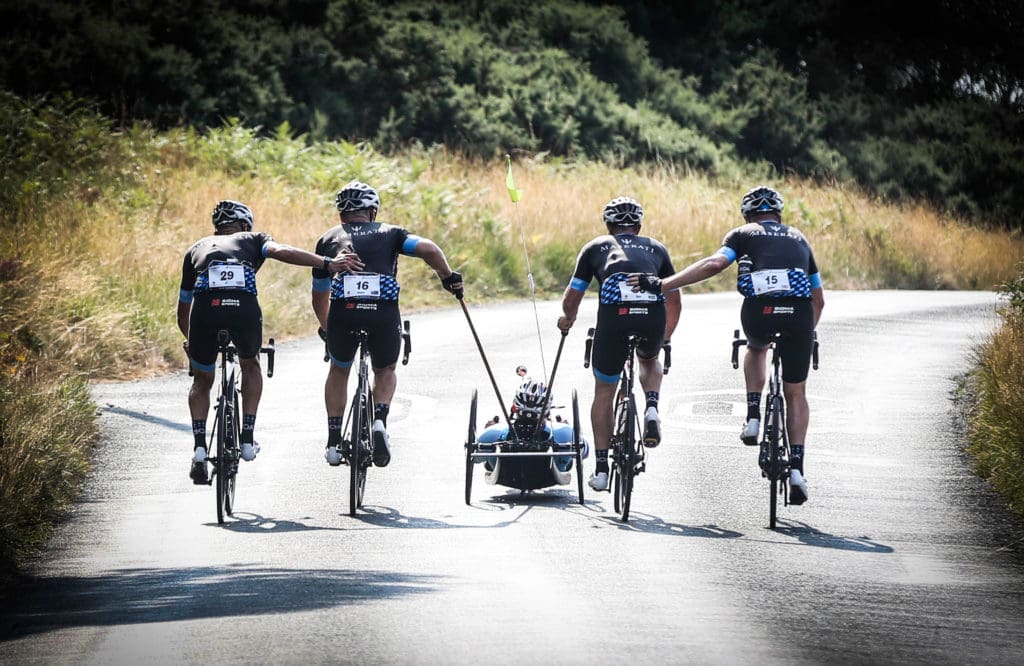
[(433, 255), (293, 255), (697, 271)]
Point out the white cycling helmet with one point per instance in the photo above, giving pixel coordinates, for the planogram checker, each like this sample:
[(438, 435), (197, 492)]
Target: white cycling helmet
[(623, 212), (529, 400), (356, 196), (761, 199), (228, 211)]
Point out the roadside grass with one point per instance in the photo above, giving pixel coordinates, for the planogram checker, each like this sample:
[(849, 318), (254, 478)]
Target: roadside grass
[(90, 260), (995, 420)]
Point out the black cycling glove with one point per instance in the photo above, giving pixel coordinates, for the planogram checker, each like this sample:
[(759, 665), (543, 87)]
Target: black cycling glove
[(450, 280), (648, 282)]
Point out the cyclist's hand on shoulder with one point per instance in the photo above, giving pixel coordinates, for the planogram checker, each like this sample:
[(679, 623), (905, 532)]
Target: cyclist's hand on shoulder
[(645, 281), (346, 261), (453, 284)]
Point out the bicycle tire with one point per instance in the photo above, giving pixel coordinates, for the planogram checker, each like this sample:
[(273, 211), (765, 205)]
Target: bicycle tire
[(774, 460), (470, 446), (220, 468), (577, 442), (232, 449), (355, 458), (629, 458)]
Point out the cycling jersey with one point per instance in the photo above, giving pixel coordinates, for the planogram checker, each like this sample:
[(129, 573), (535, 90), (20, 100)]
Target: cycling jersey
[(612, 258), (378, 245), (367, 300), (218, 277), (623, 310), (776, 260), (226, 262)]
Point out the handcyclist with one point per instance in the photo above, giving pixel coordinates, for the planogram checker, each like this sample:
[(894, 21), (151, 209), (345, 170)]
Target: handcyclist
[(529, 412), (622, 310), (365, 297), (782, 291), (218, 291)]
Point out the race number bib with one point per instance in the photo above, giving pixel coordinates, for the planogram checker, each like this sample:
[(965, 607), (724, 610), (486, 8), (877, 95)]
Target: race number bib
[(768, 281), (227, 276), (633, 294), (362, 286)]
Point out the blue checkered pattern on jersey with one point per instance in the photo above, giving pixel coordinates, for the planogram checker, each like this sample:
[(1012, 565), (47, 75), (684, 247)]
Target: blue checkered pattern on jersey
[(388, 288), (203, 280), (799, 285), (610, 294)]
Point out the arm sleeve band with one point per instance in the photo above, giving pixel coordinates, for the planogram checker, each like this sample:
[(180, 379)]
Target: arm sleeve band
[(815, 281), (185, 295), (728, 253), (409, 244), (578, 284), (321, 284)]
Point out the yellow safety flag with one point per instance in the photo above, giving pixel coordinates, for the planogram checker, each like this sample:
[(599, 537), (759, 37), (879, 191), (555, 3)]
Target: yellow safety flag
[(510, 182)]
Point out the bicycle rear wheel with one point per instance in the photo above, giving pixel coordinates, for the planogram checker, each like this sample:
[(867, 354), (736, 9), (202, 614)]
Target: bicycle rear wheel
[(774, 459), (627, 456), (220, 467), (358, 455), (233, 442), (470, 446)]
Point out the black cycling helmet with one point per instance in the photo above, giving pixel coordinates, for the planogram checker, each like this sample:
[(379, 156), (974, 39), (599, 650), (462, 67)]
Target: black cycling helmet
[(761, 199), (623, 212), (228, 211), (356, 196)]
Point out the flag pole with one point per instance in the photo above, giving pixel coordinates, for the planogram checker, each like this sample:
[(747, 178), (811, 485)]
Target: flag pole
[(514, 194)]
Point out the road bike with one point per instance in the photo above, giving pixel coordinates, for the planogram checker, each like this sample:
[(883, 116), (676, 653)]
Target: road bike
[(627, 455), (357, 447), (225, 437), (773, 455)]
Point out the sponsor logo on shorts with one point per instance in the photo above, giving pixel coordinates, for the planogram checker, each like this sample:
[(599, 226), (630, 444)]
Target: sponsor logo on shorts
[(778, 309), (228, 302), (366, 306), (623, 312), (350, 306)]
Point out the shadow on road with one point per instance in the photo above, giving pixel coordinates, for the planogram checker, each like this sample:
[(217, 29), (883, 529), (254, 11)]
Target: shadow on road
[(138, 596), (253, 523), (148, 418), (812, 536), (654, 525)]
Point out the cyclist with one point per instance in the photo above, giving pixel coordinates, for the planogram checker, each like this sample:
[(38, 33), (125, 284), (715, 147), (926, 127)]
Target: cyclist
[(622, 310), (365, 297), (218, 291), (782, 291), (527, 412)]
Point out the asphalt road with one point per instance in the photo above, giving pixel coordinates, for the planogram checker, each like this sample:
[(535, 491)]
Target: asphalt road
[(900, 556)]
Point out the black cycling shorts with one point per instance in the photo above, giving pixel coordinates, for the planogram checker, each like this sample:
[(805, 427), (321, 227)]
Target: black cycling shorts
[(614, 324), (794, 318), (382, 322), (238, 312)]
